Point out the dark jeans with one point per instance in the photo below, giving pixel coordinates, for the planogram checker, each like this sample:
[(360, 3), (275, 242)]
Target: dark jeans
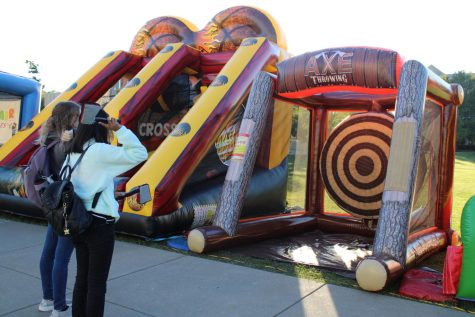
[(94, 250), (54, 267)]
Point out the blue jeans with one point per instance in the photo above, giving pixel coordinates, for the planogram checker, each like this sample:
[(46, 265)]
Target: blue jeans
[(54, 262)]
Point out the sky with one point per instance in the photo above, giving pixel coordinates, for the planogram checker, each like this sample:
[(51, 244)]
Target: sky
[(67, 37)]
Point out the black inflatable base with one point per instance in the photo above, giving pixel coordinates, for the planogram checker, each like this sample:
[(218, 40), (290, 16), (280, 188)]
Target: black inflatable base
[(135, 225), (20, 206)]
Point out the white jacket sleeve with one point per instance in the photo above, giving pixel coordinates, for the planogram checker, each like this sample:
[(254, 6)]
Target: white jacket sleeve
[(120, 159)]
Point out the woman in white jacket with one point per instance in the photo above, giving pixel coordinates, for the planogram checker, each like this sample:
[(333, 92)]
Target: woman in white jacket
[(93, 180)]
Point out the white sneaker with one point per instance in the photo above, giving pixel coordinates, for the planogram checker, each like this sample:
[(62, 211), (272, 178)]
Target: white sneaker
[(59, 313), (46, 305)]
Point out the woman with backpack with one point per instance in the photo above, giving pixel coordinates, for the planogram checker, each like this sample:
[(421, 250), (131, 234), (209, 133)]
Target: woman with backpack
[(57, 133), (95, 174)]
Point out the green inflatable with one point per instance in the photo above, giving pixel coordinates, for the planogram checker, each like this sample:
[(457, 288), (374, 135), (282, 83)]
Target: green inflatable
[(466, 288)]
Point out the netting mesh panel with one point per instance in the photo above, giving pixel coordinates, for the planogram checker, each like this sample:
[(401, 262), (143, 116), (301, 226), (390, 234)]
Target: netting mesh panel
[(423, 210)]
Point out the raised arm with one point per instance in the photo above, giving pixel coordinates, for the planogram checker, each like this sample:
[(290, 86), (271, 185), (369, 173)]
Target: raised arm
[(119, 159)]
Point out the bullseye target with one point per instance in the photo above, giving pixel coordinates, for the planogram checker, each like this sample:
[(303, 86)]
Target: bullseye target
[(354, 161)]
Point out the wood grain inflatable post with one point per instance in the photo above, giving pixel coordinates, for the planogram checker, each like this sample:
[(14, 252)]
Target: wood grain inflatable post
[(210, 238), (390, 245), (245, 152)]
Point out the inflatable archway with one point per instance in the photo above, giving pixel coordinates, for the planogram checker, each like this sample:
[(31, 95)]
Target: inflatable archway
[(389, 165)]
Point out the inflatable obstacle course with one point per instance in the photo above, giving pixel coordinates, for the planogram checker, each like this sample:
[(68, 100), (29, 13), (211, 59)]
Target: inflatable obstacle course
[(183, 94)]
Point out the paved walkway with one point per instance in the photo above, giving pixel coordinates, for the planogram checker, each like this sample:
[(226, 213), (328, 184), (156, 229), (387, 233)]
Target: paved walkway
[(146, 281)]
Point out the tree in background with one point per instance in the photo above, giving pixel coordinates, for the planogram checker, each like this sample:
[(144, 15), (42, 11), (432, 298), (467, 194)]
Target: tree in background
[(466, 112), (33, 69), (335, 118)]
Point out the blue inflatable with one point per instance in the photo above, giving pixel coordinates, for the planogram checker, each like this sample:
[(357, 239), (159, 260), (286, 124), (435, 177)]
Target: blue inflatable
[(28, 90)]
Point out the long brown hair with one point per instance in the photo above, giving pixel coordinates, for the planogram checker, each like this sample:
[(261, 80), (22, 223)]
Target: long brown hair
[(63, 117)]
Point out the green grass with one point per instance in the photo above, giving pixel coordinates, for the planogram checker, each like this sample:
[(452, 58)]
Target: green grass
[(464, 181)]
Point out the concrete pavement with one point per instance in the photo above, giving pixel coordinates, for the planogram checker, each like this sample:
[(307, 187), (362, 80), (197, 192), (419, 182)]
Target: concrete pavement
[(146, 281)]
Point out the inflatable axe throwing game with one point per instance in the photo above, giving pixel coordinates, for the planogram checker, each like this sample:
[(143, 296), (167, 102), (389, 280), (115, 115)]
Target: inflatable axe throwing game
[(247, 144)]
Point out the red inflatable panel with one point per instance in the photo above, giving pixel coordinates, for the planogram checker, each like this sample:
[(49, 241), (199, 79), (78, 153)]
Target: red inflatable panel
[(360, 69), (422, 284)]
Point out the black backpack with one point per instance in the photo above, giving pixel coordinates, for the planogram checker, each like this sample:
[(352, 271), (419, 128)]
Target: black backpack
[(64, 209)]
